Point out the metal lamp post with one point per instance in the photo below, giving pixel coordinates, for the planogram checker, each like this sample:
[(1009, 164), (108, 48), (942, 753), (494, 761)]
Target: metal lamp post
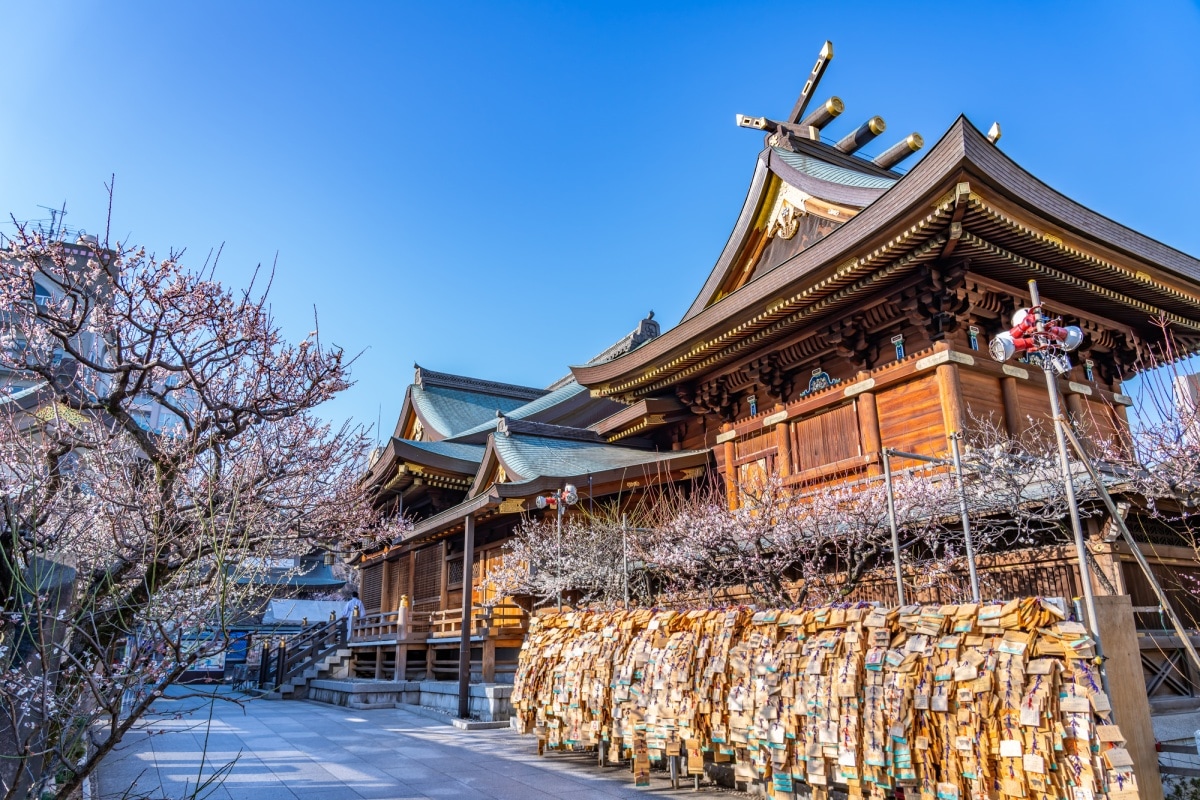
[(567, 496), (1034, 332)]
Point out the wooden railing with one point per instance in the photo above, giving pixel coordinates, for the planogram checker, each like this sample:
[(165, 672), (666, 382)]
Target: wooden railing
[(309, 646), (407, 625)]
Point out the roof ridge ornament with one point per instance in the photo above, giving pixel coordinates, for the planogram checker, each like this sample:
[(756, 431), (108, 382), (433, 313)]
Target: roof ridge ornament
[(787, 134)]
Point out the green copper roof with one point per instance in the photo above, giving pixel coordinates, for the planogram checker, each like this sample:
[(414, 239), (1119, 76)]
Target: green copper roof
[(823, 170), (541, 456), (529, 409), (450, 411), (462, 452)]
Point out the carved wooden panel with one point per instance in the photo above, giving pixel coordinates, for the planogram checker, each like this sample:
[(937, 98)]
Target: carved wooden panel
[(910, 418), (825, 438)]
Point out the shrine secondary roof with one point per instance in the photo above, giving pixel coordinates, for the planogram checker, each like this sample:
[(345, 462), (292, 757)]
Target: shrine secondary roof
[(453, 456), (565, 402), (450, 404)]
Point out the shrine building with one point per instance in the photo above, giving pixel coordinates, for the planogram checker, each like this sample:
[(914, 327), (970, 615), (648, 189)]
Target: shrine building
[(850, 311)]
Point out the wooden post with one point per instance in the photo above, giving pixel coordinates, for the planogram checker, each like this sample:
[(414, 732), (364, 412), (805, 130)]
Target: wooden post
[(953, 409), (401, 657), (379, 662), (464, 642), (1012, 406), (868, 429), (1131, 709), (445, 577), (783, 445), (489, 660), (731, 483)]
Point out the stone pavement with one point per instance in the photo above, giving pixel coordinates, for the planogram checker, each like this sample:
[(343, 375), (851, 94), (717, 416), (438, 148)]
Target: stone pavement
[(296, 750)]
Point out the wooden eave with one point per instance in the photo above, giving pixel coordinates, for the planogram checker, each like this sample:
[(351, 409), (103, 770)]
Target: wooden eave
[(610, 481), (406, 411), (909, 221), (643, 415)]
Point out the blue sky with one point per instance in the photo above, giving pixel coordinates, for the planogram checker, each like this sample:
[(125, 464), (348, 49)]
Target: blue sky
[(504, 189)]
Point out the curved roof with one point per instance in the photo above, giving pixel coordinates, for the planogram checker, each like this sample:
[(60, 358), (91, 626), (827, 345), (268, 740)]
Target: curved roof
[(825, 171), (908, 224), (531, 409), (446, 411), (453, 456), (528, 457)]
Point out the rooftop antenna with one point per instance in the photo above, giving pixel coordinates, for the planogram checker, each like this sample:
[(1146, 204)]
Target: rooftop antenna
[(56, 217)]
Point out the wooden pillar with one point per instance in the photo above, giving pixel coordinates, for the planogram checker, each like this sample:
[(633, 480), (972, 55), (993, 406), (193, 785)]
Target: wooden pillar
[(1012, 406), (429, 674), (953, 409), (489, 660), (868, 430), (1131, 709), (731, 482), (445, 579), (783, 446), (400, 673), (379, 662), (464, 642)]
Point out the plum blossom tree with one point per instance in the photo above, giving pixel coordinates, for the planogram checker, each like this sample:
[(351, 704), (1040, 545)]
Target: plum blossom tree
[(784, 546), (123, 548)]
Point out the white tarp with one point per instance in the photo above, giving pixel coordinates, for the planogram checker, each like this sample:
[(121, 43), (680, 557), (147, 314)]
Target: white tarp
[(295, 611)]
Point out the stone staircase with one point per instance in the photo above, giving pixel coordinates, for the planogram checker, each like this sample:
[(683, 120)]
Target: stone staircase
[(332, 665), (318, 651)]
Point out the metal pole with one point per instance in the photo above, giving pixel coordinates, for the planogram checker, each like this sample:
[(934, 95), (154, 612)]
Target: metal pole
[(558, 539), (891, 509), (625, 559), (464, 640), (966, 522), (1119, 521), (1085, 573)]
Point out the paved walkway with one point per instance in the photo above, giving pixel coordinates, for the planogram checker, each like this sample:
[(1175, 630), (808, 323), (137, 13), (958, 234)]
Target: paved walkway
[(295, 750)]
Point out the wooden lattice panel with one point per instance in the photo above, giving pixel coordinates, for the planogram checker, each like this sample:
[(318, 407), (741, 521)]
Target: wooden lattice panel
[(825, 438), (371, 590), (427, 579)]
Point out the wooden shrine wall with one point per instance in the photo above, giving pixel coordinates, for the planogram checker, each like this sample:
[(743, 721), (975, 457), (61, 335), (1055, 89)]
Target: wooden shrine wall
[(837, 434)]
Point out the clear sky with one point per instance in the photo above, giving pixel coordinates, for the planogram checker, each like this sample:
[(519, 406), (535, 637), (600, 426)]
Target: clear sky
[(503, 189)]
